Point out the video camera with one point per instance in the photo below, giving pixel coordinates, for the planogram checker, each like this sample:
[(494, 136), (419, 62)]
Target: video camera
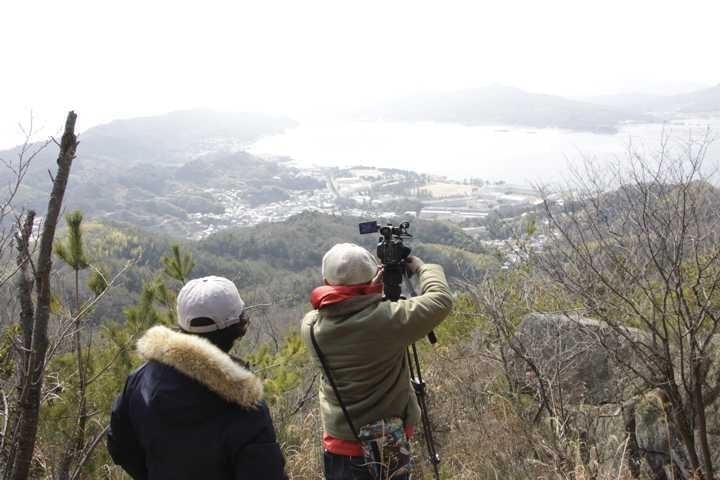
[(392, 252)]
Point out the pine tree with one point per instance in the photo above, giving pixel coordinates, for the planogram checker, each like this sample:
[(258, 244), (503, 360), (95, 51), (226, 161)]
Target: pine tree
[(72, 252), (98, 282), (179, 265)]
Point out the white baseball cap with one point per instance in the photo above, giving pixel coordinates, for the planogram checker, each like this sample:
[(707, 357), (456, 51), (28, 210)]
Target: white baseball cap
[(348, 264), (216, 298)]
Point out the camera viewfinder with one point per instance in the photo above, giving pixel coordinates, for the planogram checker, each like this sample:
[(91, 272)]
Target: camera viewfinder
[(368, 227)]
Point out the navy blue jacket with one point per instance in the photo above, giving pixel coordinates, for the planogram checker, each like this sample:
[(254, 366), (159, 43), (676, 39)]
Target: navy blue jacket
[(190, 412)]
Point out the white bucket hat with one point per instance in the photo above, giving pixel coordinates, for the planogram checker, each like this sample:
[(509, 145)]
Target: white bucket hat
[(348, 264), (216, 298)]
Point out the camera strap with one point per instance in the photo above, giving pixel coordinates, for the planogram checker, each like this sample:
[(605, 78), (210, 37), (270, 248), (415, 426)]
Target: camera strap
[(326, 370)]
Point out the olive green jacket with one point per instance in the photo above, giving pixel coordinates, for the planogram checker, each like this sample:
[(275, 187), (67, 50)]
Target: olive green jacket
[(364, 342)]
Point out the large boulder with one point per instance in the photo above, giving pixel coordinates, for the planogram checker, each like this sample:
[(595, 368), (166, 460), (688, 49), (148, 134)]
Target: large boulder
[(576, 356)]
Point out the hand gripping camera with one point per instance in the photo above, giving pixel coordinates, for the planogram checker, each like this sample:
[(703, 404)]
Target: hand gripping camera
[(392, 253)]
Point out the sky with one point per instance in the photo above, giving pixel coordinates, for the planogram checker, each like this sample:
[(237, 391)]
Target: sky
[(110, 59)]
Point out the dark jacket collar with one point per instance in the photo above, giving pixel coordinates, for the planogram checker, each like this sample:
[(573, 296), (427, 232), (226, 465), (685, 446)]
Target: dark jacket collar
[(202, 361)]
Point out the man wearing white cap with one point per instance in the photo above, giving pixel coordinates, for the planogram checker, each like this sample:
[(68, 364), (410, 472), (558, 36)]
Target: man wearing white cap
[(362, 341), (190, 411)]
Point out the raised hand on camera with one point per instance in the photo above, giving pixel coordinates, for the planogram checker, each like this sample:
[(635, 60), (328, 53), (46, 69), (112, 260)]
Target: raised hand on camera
[(378, 278), (413, 264)]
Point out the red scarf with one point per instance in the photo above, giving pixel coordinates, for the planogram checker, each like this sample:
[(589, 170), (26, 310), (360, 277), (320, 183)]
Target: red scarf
[(332, 294)]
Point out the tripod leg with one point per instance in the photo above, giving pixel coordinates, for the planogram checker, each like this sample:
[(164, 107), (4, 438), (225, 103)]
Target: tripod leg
[(420, 393)]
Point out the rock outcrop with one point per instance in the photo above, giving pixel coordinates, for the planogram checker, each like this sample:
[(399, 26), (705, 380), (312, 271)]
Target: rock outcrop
[(586, 362), (581, 357)]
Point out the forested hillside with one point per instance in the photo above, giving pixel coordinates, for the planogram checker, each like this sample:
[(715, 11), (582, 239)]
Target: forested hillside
[(277, 261)]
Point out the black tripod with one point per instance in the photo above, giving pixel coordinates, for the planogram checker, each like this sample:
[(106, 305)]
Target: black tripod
[(393, 294)]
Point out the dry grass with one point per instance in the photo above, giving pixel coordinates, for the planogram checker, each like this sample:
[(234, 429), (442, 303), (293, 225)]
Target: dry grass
[(482, 431)]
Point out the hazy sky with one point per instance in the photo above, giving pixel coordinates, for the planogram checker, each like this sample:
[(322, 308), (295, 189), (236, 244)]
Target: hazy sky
[(111, 59)]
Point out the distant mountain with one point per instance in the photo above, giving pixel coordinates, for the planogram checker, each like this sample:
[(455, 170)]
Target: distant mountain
[(177, 136), (701, 101), (637, 102), (156, 170), (172, 138), (499, 105), (663, 107)]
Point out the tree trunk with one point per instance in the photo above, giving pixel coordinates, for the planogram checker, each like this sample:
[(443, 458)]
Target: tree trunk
[(684, 427), (701, 425), (29, 406), (25, 286)]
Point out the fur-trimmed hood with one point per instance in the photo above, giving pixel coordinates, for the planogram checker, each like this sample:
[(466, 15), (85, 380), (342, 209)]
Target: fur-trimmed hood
[(204, 362)]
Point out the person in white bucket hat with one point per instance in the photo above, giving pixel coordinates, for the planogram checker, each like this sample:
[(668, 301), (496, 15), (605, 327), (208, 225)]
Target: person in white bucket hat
[(190, 411)]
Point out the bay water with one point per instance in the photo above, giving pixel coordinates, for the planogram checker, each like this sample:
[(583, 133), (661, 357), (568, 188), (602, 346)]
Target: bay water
[(520, 155)]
